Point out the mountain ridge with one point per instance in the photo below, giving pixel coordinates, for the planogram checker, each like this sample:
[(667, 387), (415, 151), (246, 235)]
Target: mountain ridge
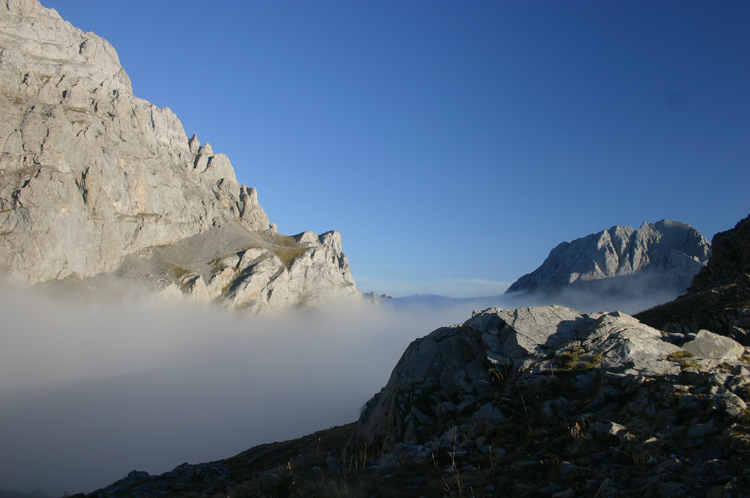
[(92, 176)]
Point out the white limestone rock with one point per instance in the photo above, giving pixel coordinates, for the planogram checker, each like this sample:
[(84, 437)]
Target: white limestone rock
[(220, 281), (317, 272), (322, 272), (706, 344), (194, 288), (95, 181), (252, 286), (251, 256), (91, 173)]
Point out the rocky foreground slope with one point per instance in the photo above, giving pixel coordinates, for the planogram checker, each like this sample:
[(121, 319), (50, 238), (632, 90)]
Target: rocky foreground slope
[(540, 401), (96, 182), (659, 258)]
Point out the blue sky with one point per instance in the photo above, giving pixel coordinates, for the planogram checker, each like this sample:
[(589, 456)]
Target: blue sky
[(454, 144)]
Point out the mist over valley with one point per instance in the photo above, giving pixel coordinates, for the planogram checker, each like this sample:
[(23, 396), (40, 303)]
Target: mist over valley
[(163, 334)]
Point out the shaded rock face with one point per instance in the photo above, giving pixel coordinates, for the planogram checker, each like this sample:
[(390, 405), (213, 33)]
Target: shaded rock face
[(91, 175), (730, 260), (719, 297), (673, 250)]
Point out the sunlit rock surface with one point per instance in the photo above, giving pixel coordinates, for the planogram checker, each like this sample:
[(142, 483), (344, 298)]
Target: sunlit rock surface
[(95, 181), (669, 252), (451, 367)]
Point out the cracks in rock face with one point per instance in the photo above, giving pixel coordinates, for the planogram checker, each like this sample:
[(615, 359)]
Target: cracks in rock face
[(82, 185), (17, 194)]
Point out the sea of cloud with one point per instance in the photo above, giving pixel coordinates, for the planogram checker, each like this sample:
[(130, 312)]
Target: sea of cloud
[(90, 390)]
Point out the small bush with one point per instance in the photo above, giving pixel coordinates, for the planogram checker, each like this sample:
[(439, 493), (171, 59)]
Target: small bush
[(680, 355), (689, 364)]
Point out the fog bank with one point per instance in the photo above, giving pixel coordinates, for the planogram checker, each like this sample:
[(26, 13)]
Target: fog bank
[(91, 391)]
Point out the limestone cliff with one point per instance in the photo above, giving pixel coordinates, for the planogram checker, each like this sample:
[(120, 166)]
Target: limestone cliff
[(672, 250), (93, 178)]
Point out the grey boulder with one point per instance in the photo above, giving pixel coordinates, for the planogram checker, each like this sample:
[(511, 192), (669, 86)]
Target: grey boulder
[(714, 346)]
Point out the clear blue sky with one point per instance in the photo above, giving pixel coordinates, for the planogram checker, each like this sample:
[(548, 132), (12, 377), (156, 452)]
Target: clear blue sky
[(453, 144)]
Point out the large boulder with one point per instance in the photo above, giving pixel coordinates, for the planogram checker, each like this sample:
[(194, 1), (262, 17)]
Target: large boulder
[(448, 377), (714, 346)]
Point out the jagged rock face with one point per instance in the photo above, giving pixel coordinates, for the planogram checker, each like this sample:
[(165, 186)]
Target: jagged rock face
[(719, 297), (730, 259), (671, 248), (91, 175), (251, 272), (446, 377)]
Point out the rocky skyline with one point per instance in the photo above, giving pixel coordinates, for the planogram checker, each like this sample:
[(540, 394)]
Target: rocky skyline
[(620, 268), (473, 138), (98, 184)]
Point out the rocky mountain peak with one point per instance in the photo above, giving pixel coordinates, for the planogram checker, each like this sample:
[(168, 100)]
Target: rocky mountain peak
[(668, 247), (91, 175)]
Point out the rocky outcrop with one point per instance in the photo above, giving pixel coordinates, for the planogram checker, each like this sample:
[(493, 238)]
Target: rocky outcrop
[(374, 297), (590, 393), (719, 297), (672, 250), (730, 262), (92, 178), (451, 366)]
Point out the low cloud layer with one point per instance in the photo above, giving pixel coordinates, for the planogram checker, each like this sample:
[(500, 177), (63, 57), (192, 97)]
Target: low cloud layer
[(89, 392)]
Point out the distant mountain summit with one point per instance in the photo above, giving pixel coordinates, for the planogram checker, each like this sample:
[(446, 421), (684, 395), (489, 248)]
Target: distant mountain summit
[(95, 181), (672, 250)]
